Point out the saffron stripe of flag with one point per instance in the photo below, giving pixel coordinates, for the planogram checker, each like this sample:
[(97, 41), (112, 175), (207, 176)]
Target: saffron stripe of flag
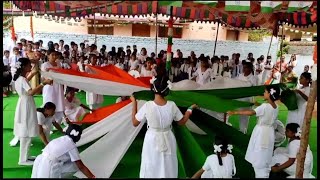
[(299, 5), (237, 5), (270, 6)]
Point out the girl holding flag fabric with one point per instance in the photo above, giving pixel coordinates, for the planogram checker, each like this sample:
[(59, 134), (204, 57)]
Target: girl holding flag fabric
[(159, 151), (261, 144), (61, 157)]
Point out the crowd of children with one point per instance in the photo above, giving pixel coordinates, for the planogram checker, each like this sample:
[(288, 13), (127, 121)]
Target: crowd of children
[(60, 106)]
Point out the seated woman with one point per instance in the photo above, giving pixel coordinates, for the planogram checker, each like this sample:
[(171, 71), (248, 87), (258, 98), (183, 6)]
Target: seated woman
[(46, 120), (289, 78), (219, 165), (73, 107), (61, 157), (284, 159)]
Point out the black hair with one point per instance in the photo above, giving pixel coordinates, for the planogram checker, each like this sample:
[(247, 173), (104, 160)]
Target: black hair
[(307, 75), (293, 127), (224, 148), (249, 65), (48, 105), (66, 47), (160, 85), (40, 41), (23, 63), (74, 131), (61, 40), (276, 95), (69, 89), (82, 44)]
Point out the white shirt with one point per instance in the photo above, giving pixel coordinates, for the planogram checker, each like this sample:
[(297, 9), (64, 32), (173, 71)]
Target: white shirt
[(46, 123), (214, 170), (133, 64), (13, 59), (63, 148), (6, 61), (217, 68), (250, 78), (142, 58), (120, 66), (191, 71), (184, 68), (146, 73), (203, 77), (237, 70)]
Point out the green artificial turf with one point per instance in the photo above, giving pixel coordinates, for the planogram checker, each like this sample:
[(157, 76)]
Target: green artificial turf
[(192, 148)]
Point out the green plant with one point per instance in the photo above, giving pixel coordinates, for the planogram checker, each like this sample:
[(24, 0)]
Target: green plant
[(285, 49), (258, 35)]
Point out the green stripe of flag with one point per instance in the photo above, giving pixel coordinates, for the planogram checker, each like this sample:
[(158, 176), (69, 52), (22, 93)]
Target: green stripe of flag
[(270, 6), (299, 5), (170, 3), (209, 3), (237, 5)]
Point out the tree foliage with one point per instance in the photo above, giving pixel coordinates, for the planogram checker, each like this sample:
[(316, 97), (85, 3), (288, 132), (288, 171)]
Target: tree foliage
[(285, 49), (258, 35)]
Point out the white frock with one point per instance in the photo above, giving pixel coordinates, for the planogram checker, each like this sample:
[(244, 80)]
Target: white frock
[(281, 155), (46, 124), (25, 118), (261, 144), (57, 159), (92, 98), (297, 116), (53, 93), (159, 151), (214, 170), (73, 109)]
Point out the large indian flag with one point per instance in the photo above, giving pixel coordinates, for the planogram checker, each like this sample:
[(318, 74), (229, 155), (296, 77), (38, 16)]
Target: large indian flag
[(299, 5), (237, 5), (270, 6)]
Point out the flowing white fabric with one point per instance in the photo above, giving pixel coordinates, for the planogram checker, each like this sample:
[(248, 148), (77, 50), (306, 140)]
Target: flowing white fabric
[(94, 85), (112, 146), (106, 125)]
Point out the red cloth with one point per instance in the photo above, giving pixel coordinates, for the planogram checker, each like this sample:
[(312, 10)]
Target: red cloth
[(74, 67)]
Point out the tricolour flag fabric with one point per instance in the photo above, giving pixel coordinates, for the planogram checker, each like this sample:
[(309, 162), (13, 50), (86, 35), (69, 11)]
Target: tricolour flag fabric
[(299, 5), (170, 3), (270, 6), (237, 5), (209, 3)]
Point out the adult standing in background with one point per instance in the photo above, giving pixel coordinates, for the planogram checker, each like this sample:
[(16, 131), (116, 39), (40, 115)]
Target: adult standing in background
[(268, 65)]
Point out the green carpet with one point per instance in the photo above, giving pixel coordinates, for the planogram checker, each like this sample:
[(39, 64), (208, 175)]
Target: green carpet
[(192, 148)]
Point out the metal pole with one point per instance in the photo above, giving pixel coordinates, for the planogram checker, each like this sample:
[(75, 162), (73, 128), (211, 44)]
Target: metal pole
[(156, 51), (95, 28), (281, 53), (215, 43), (269, 46), (170, 35)]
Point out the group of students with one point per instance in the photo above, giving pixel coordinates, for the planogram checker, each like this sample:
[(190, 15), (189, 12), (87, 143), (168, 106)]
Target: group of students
[(61, 106)]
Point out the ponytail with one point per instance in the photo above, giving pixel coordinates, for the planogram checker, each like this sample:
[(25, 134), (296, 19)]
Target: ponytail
[(220, 159), (20, 65)]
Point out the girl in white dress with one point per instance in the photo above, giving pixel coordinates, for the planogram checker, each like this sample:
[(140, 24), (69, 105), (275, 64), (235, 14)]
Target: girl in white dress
[(61, 157), (25, 119), (259, 70), (159, 151), (46, 120), (73, 107), (284, 159), (219, 165), (93, 100), (261, 144), (297, 116), (146, 70), (268, 65), (202, 75), (54, 93)]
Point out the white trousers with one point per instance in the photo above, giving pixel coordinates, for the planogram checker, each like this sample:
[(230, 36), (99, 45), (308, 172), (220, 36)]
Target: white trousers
[(244, 122), (262, 172), (25, 143)]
